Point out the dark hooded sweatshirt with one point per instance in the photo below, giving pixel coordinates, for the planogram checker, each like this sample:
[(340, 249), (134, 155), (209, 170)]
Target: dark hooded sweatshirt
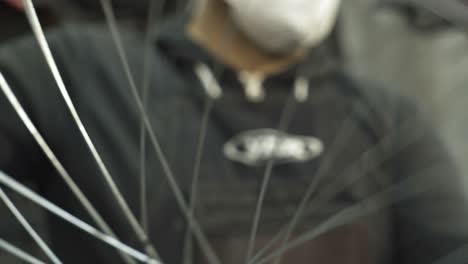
[(383, 188)]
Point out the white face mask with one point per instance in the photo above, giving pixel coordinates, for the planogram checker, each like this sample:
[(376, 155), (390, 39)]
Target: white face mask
[(280, 26)]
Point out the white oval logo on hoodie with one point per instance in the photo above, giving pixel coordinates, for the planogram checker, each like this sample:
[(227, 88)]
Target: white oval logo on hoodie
[(257, 147)]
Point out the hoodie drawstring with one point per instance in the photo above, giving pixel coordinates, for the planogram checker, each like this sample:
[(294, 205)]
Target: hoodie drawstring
[(208, 80), (253, 85)]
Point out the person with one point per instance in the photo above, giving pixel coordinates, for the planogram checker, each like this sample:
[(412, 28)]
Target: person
[(275, 103)]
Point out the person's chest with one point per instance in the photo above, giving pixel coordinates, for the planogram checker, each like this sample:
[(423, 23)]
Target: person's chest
[(318, 154), (320, 158)]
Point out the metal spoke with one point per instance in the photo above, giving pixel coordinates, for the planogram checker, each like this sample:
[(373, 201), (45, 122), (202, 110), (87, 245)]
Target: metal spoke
[(193, 225), (6, 89), (39, 34), (406, 189), (39, 241), (52, 208), (368, 160), (155, 9), (188, 245), (19, 253), (340, 139), (285, 117)]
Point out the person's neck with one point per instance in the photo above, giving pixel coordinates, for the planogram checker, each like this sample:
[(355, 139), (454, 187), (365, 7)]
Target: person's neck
[(213, 29)]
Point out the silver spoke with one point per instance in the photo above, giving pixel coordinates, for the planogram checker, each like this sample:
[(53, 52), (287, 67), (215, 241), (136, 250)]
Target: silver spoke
[(285, 117), (39, 241), (339, 140), (213, 91), (59, 212), (39, 34), (406, 189), (4, 245), (193, 225), (188, 245), (6, 89), (155, 9), (262, 252), (141, 224), (365, 160)]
